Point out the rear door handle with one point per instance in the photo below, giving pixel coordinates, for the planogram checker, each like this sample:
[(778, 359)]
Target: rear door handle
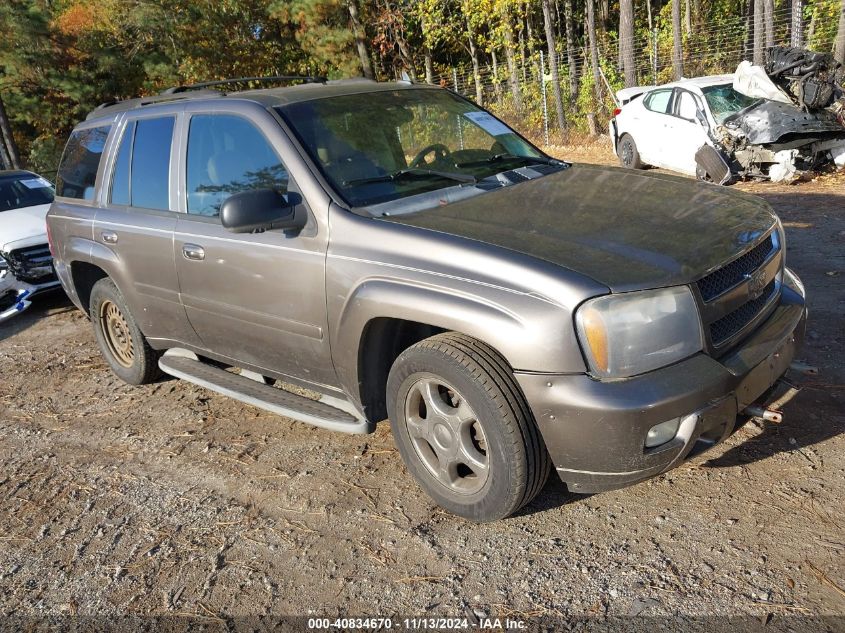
[(192, 251), (109, 237)]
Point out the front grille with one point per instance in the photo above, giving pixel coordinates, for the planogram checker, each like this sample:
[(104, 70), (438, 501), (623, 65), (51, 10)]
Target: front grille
[(734, 322), (734, 273), (33, 264)]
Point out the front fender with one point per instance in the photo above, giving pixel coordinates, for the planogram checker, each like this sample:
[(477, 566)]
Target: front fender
[(532, 333)]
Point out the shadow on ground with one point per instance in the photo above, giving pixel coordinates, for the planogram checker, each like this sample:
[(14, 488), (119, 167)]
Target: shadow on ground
[(48, 304)]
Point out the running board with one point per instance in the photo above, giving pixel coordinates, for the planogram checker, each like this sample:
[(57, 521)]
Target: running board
[(249, 391)]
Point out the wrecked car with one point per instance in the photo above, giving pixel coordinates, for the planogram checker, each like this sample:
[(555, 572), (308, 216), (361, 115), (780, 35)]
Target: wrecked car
[(729, 127), (26, 266)]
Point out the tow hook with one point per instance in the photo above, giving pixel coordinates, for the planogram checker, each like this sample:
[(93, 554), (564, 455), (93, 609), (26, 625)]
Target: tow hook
[(807, 370), (772, 411), (770, 415)]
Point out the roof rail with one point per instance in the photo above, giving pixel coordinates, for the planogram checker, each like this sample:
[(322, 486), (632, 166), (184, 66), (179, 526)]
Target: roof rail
[(119, 105), (237, 80)]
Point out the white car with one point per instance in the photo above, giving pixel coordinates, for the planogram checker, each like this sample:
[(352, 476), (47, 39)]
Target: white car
[(26, 266), (705, 127)]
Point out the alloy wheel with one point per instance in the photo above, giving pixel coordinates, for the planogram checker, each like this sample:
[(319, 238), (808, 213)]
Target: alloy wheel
[(447, 435)]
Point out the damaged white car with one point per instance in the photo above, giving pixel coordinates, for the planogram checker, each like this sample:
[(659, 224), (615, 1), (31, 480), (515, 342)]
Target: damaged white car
[(26, 266), (776, 123)]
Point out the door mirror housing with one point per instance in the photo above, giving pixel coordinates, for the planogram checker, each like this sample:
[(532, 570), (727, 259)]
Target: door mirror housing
[(702, 118), (261, 210)]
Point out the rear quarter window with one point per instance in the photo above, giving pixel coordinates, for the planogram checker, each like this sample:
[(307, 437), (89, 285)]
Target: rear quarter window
[(658, 101), (80, 161)]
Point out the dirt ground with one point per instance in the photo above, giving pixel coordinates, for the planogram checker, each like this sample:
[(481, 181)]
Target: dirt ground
[(170, 500)]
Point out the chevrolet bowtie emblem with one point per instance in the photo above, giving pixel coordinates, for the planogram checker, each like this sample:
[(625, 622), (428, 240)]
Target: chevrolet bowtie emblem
[(756, 283)]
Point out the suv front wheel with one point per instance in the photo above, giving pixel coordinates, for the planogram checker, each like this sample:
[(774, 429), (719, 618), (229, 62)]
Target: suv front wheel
[(464, 429), (119, 338)]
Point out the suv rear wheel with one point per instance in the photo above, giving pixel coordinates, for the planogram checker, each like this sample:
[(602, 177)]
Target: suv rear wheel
[(464, 429), (121, 341)]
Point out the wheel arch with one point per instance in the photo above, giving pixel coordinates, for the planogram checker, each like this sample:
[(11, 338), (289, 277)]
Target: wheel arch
[(382, 318)]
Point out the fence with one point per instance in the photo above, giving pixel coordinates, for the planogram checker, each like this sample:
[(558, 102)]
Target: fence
[(708, 50)]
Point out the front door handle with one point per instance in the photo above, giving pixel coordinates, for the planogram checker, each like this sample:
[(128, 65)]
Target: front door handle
[(109, 237), (192, 251)]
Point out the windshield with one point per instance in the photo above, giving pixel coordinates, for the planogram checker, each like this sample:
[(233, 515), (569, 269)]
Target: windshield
[(376, 147), (725, 101), (24, 190)]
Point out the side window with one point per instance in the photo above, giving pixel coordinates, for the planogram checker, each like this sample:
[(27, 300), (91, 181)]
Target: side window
[(141, 176), (228, 154), (686, 106), (80, 161), (658, 101), (150, 173)]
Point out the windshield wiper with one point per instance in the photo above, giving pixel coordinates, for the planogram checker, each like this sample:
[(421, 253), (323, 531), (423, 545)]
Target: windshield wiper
[(495, 158), (413, 172)]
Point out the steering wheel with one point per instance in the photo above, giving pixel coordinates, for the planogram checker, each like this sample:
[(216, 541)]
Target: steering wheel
[(439, 150)]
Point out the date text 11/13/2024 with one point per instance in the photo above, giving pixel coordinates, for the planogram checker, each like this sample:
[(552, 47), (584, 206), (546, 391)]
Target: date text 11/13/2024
[(416, 624)]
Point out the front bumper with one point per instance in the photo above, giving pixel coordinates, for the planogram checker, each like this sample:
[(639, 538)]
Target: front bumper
[(15, 296), (595, 431)]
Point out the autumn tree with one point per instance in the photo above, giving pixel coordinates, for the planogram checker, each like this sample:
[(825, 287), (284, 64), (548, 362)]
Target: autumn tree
[(839, 40), (550, 44), (626, 41), (677, 40)]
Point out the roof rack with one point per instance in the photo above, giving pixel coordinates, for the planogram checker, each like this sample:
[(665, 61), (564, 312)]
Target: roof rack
[(243, 80), (192, 91), (119, 105)]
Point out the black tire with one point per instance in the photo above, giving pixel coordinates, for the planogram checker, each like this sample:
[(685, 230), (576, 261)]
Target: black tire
[(518, 464), (120, 340), (629, 156)]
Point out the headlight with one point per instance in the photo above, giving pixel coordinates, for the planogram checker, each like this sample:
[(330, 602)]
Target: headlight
[(634, 332)]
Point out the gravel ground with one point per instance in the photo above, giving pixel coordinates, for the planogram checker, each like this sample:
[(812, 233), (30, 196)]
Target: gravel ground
[(169, 500)]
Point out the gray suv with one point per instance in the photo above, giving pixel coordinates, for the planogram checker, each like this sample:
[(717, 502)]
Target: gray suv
[(400, 253)]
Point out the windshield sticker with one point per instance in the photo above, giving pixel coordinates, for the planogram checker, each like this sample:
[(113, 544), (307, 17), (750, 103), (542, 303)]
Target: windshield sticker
[(488, 123), (35, 183)]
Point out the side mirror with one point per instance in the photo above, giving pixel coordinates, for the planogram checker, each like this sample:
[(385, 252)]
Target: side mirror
[(702, 118), (261, 210)]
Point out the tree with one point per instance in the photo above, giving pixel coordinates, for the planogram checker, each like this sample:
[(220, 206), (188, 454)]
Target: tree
[(758, 32), (594, 50), (360, 39), (626, 41), (570, 50), (769, 22), (10, 148), (677, 39), (506, 26), (550, 44), (839, 41)]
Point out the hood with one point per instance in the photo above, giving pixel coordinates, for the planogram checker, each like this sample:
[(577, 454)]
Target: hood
[(771, 121), (625, 229), (23, 225)]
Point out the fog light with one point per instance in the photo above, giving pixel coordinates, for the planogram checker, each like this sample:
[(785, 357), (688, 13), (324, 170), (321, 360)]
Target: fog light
[(662, 433)]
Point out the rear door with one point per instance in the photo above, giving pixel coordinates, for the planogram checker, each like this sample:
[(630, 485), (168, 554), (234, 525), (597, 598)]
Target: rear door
[(136, 221), (685, 132), (257, 298), (650, 133)]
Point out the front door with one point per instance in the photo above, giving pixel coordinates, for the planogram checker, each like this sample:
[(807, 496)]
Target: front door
[(257, 298)]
